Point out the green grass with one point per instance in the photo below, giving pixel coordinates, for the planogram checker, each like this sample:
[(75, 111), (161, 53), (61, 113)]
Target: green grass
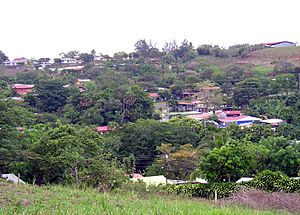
[(66, 200), (262, 70)]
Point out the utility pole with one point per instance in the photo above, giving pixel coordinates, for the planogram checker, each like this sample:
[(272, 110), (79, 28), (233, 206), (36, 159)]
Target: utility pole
[(166, 167)]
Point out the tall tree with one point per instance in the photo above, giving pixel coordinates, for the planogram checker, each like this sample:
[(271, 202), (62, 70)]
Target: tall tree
[(3, 57), (51, 95)]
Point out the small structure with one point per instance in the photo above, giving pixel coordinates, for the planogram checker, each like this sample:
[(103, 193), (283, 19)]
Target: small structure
[(154, 96), (231, 113), (244, 179), (187, 106), (201, 116), (22, 89), (273, 122), (12, 178), (17, 99), (10, 63), (103, 129), (136, 175), (186, 95), (152, 180), (68, 61), (243, 120), (201, 181), (280, 44)]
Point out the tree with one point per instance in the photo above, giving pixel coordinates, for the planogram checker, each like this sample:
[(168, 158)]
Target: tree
[(284, 67), (71, 154), (51, 95), (245, 91), (3, 57), (136, 105), (204, 49), (86, 57), (231, 161), (282, 155), (177, 164), (286, 82)]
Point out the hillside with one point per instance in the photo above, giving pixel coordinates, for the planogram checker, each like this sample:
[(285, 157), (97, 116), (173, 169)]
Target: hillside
[(267, 57), (65, 200)]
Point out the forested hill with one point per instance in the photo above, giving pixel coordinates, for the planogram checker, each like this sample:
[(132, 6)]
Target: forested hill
[(94, 119)]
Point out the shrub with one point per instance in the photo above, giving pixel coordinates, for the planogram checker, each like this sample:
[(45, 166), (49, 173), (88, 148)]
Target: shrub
[(274, 182), (205, 190)]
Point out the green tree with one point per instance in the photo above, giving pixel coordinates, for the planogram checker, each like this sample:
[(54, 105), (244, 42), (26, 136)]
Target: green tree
[(286, 82), (245, 91), (230, 162), (3, 57), (51, 95)]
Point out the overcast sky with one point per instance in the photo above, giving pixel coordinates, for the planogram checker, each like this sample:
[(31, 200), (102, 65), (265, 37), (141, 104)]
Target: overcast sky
[(44, 28)]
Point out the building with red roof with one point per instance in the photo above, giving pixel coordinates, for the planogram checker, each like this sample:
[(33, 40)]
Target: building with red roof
[(103, 129), (154, 96), (280, 44), (22, 89)]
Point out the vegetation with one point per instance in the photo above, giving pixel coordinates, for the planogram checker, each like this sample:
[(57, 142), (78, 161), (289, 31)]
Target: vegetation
[(49, 136), (68, 200)]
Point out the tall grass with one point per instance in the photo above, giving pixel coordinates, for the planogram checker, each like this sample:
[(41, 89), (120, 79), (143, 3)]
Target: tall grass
[(67, 200)]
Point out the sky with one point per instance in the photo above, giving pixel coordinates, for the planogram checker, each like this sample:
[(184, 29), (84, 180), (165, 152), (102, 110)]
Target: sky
[(45, 28)]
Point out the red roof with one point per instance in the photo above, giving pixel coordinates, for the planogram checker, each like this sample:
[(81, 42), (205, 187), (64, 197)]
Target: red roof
[(22, 86), (153, 95), (103, 129), (232, 112), (232, 119), (136, 175), (275, 43)]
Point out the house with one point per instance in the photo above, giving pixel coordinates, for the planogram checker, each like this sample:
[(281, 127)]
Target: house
[(17, 62), (103, 129), (242, 120), (68, 61), (201, 181), (151, 180), (136, 175), (280, 44), (186, 95), (232, 113), (12, 178), (187, 106), (10, 63), (22, 89), (201, 116), (81, 83), (273, 122), (154, 96), (17, 99), (244, 179), (20, 61)]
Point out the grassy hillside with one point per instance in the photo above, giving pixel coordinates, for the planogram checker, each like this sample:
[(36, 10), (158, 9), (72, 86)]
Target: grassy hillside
[(63, 200), (271, 55)]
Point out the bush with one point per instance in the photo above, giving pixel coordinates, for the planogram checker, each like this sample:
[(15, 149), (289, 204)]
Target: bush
[(274, 182), (266, 180), (205, 190)]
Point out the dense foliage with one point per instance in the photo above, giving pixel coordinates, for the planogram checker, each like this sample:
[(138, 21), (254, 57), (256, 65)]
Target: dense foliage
[(51, 137)]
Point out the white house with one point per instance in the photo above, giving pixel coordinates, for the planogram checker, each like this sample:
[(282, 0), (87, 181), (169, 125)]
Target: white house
[(68, 61), (9, 63), (12, 178)]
